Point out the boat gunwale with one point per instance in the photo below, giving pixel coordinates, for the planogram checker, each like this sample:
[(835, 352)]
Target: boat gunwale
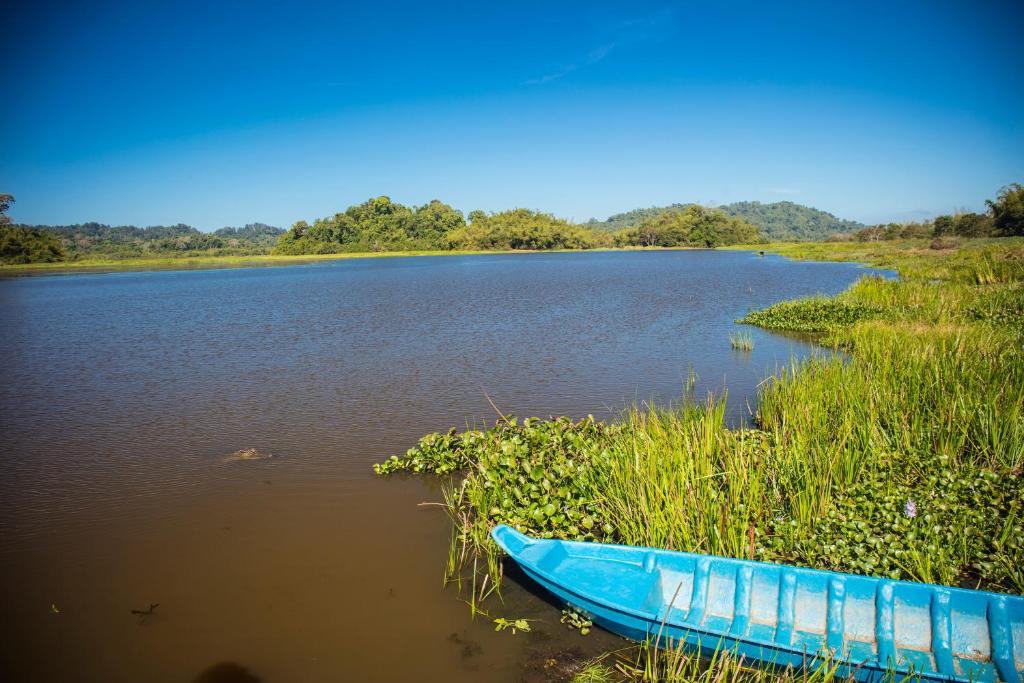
[(873, 663)]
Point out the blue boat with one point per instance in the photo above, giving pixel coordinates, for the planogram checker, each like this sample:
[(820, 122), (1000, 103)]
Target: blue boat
[(781, 615)]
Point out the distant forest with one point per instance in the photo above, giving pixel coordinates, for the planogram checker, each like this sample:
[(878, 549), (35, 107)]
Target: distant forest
[(778, 222), (379, 224), (51, 243)]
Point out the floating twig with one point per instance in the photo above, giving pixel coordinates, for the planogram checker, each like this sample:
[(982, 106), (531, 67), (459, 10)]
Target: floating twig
[(146, 612)]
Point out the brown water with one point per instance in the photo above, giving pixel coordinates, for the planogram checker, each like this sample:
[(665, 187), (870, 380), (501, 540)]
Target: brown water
[(121, 394)]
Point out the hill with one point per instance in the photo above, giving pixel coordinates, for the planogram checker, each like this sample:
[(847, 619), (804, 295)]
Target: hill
[(778, 221)]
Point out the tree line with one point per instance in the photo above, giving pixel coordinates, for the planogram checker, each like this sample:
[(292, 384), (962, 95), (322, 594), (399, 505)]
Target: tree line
[(380, 224), (55, 243), (1004, 218)]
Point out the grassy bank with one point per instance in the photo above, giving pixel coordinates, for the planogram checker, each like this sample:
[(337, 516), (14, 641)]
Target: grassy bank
[(903, 461), (198, 262), (201, 261)]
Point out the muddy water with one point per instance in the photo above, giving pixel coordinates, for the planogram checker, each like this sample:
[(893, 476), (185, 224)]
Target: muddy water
[(122, 394)]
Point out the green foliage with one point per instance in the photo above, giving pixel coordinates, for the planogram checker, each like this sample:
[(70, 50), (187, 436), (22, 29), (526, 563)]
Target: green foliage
[(576, 620), (898, 231), (378, 224), (28, 245), (999, 306), (789, 221), (1008, 210), (91, 241), (5, 203), (438, 454), (693, 226), (534, 476), (514, 625), (940, 524), (777, 221), (21, 244), (258, 235), (817, 314), (523, 229), (958, 225)]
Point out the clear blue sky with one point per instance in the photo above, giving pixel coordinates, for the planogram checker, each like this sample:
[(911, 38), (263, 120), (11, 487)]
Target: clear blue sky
[(222, 113)]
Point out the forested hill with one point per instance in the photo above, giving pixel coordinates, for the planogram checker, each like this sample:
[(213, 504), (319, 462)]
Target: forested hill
[(777, 221)]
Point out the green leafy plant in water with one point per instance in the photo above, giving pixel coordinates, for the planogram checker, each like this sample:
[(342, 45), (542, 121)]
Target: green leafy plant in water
[(574, 619), (816, 314), (535, 476), (945, 526), (502, 624)]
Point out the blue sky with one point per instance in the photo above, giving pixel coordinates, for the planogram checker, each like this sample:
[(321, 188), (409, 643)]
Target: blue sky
[(222, 113)]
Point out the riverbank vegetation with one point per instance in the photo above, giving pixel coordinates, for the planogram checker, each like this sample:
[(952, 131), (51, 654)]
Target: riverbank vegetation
[(689, 226), (380, 225), (900, 458), (1005, 218), (377, 226), (93, 242)]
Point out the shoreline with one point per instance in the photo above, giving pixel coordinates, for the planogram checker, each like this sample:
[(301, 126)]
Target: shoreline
[(184, 263)]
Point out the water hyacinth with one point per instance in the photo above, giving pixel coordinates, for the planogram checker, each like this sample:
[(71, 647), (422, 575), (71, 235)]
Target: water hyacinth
[(910, 509)]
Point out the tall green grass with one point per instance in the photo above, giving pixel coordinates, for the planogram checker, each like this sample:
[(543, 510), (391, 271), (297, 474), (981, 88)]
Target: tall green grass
[(742, 341)]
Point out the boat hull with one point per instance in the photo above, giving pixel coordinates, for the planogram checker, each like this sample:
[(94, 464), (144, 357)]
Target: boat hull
[(778, 616)]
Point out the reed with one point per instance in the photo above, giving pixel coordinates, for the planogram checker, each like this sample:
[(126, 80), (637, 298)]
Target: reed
[(649, 663), (742, 341)]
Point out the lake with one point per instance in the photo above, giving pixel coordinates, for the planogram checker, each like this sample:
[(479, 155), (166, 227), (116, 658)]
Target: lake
[(122, 394)]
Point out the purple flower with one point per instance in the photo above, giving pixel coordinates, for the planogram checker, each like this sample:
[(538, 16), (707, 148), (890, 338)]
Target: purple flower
[(910, 509)]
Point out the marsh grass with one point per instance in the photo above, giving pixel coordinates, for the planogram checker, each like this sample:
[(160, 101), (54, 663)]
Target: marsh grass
[(742, 341), (677, 663)]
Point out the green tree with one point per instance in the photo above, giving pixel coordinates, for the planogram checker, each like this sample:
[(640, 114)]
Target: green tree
[(1008, 210), (973, 225), (432, 221), (28, 245), (5, 204), (944, 225), (378, 224), (692, 225), (523, 229)]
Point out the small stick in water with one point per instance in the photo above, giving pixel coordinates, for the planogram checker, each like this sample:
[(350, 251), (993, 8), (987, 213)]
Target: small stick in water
[(146, 612)]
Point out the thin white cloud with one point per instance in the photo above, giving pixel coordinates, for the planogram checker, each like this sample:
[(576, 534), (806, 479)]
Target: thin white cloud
[(547, 78), (631, 31), (593, 57), (784, 190)]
